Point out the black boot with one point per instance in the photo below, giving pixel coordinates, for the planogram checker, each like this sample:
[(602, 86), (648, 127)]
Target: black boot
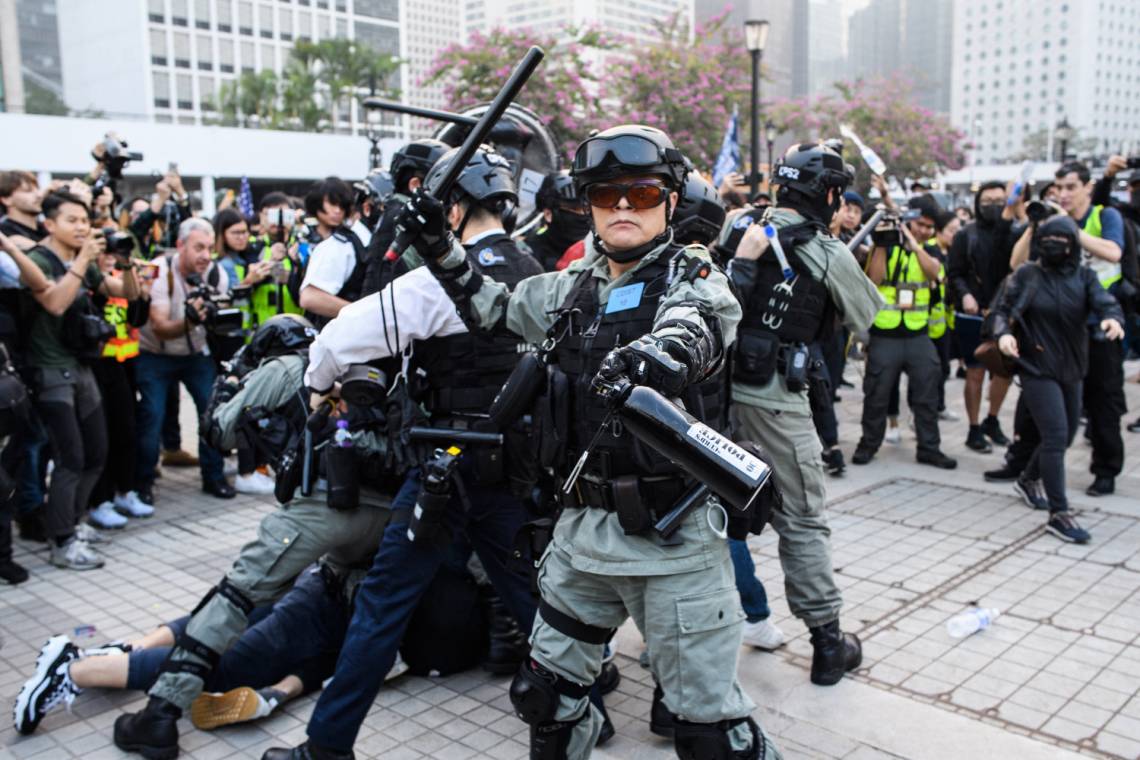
[(607, 731), (152, 732), (660, 719), (306, 751), (509, 648), (609, 678), (835, 653)]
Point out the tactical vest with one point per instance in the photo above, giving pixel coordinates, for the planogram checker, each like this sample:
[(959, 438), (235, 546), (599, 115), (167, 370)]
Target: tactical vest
[(1109, 273), (125, 344), (779, 312), (591, 332), (903, 273), (463, 373)]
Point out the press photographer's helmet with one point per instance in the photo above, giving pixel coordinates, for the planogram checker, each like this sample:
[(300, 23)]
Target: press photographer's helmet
[(805, 173), (376, 187), (625, 150), (279, 335), (417, 157), (556, 188), (700, 212)]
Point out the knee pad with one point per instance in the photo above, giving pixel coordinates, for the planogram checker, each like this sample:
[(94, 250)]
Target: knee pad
[(231, 593), (710, 741), (535, 693), (551, 740)]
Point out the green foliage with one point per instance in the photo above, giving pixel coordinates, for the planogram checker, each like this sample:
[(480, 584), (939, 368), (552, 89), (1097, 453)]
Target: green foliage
[(40, 100)]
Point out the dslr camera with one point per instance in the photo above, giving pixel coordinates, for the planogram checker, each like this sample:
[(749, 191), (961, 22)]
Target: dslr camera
[(119, 243), (221, 317), (1039, 211)]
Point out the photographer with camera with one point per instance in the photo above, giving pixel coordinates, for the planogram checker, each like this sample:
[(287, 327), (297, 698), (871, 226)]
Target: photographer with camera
[(335, 274), (174, 350), (64, 331), (274, 269), (900, 342), (154, 226)]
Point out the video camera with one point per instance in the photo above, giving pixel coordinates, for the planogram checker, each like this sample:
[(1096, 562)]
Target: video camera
[(1039, 211), (888, 232), (221, 317)]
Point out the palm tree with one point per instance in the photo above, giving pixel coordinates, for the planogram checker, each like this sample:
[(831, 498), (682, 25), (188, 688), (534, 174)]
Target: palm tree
[(250, 95)]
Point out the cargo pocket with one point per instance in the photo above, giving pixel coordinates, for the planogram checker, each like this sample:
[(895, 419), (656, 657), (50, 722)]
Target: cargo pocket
[(266, 565), (708, 637), (810, 480)]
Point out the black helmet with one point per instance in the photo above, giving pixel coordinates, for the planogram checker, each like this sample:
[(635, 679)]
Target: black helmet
[(556, 188), (486, 178), (812, 169), (700, 212), (280, 334), (376, 187), (628, 149), (417, 157)]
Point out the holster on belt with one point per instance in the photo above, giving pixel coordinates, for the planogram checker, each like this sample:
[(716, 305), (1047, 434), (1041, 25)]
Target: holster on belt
[(631, 511)]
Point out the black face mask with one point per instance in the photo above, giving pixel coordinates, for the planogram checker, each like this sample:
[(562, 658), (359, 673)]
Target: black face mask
[(990, 212), (1053, 254), (567, 228)]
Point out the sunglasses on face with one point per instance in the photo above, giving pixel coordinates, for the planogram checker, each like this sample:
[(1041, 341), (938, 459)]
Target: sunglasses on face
[(641, 195)]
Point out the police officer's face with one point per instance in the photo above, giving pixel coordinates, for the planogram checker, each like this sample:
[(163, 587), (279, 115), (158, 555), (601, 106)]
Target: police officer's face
[(625, 227)]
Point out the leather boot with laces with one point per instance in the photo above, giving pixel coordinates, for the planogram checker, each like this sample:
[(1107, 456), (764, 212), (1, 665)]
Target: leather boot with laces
[(152, 732), (307, 751), (835, 653)]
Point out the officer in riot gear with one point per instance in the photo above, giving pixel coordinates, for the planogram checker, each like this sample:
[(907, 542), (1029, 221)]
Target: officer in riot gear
[(793, 279), (642, 306), (700, 212), (563, 221), (372, 193), (266, 403), (458, 500), (410, 165)]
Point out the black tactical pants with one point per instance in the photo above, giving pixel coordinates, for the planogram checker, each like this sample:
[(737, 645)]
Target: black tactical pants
[(887, 358)]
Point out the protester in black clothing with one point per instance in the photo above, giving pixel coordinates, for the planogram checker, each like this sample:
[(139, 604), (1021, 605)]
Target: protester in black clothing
[(978, 261), (1041, 321)]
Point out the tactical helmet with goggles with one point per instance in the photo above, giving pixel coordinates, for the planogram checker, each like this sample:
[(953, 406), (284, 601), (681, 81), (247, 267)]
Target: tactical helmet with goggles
[(557, 189), (375, 187), (812, 169), (417, 157), (279, 335), (487, 177), (700, 212), (630, 149)]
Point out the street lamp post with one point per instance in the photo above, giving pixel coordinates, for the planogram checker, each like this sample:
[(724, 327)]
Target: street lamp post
[(770, 137), (755, 38), (1064, 134)]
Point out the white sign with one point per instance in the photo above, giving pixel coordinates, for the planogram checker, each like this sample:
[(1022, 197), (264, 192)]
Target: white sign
[(727, 451)]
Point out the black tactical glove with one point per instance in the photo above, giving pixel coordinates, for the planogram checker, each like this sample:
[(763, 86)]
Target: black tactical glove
[(423, 223), (645, 361)]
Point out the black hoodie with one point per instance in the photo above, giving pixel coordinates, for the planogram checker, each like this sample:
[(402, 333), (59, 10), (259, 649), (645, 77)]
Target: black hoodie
[(1047, 305), (979, 256)]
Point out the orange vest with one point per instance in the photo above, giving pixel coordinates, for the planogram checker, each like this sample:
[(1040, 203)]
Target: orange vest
[(125, 344)]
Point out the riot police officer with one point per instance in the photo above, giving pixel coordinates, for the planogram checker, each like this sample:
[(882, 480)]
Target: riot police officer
[(700, 212), (563, 222), (791, 294), (288, 539), (461, 372), (641, 306)]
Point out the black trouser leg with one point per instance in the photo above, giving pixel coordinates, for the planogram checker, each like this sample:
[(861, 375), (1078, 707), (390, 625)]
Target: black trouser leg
[(1105, 405), (1056, 410), (118, 476), (1026, 438)]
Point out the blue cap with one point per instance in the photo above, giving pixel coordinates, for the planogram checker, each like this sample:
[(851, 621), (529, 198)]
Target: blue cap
[(854, 198)]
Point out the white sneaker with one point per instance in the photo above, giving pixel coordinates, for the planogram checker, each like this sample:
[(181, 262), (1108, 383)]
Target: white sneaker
[(948, 416), (254, 483), (75, 555), (763, 635), (131, 505), (104, 516), (893, 435), (87, 534), (49, 686), (268, 480), (399, 668)]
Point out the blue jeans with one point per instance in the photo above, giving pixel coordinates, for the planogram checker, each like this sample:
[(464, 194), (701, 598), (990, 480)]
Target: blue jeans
[(387, 597), (155, 375), (300, 636), (753, 597)]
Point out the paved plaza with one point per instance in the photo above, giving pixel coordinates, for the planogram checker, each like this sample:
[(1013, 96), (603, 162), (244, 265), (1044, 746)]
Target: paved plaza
[(1057, 676)]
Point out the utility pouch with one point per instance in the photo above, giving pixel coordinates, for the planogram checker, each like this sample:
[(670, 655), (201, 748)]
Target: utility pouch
[(552, 419), (343, 476), (289, 470), (530, 544), (631, 511), (756, 357)]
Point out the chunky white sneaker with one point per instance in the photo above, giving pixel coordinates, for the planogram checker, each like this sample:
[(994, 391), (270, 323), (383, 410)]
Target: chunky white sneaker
[(254, 483), (399, 668), (84, 532), (75, 555), (131, 505), (48, 686), (763, 635), (104, 516), (893, 434)]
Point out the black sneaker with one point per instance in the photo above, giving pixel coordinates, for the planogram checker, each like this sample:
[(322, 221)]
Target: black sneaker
[(31, 527), (1031, 493), (992, 428), (1102, 485), (833, 461), (862, 455), (48, 687), (1063, 526), (976, 440), (937, 459), (1134, 427), (1004, 474), (13, 572), (219, 489)]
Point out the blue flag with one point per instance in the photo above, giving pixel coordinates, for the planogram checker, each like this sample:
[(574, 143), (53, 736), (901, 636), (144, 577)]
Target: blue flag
[(729, 158), (245, 199)]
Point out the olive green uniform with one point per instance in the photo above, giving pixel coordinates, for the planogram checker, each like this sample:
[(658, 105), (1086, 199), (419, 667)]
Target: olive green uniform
[(288, 540), (683, 598), (780, 421)]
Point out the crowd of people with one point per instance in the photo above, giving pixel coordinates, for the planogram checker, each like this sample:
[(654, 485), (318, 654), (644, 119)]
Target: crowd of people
[(437, 399)]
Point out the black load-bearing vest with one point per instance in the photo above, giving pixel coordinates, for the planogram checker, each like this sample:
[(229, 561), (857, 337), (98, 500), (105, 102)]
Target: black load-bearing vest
[(462, 373), (592, 333), (780, 312)]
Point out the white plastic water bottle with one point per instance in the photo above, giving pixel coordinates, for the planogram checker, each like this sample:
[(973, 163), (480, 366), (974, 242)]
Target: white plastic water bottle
[(1022, 182), (870, 157), (971, 621)]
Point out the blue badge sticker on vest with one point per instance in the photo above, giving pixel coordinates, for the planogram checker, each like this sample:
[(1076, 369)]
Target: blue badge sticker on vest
[(488, 258), (625, 298)]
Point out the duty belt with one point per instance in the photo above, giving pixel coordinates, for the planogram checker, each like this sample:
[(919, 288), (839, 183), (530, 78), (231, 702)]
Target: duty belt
[(657, 493)]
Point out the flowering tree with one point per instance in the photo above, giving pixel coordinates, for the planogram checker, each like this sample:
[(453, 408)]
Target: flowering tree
[(912, 141), (564, 90), (688, 88)]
